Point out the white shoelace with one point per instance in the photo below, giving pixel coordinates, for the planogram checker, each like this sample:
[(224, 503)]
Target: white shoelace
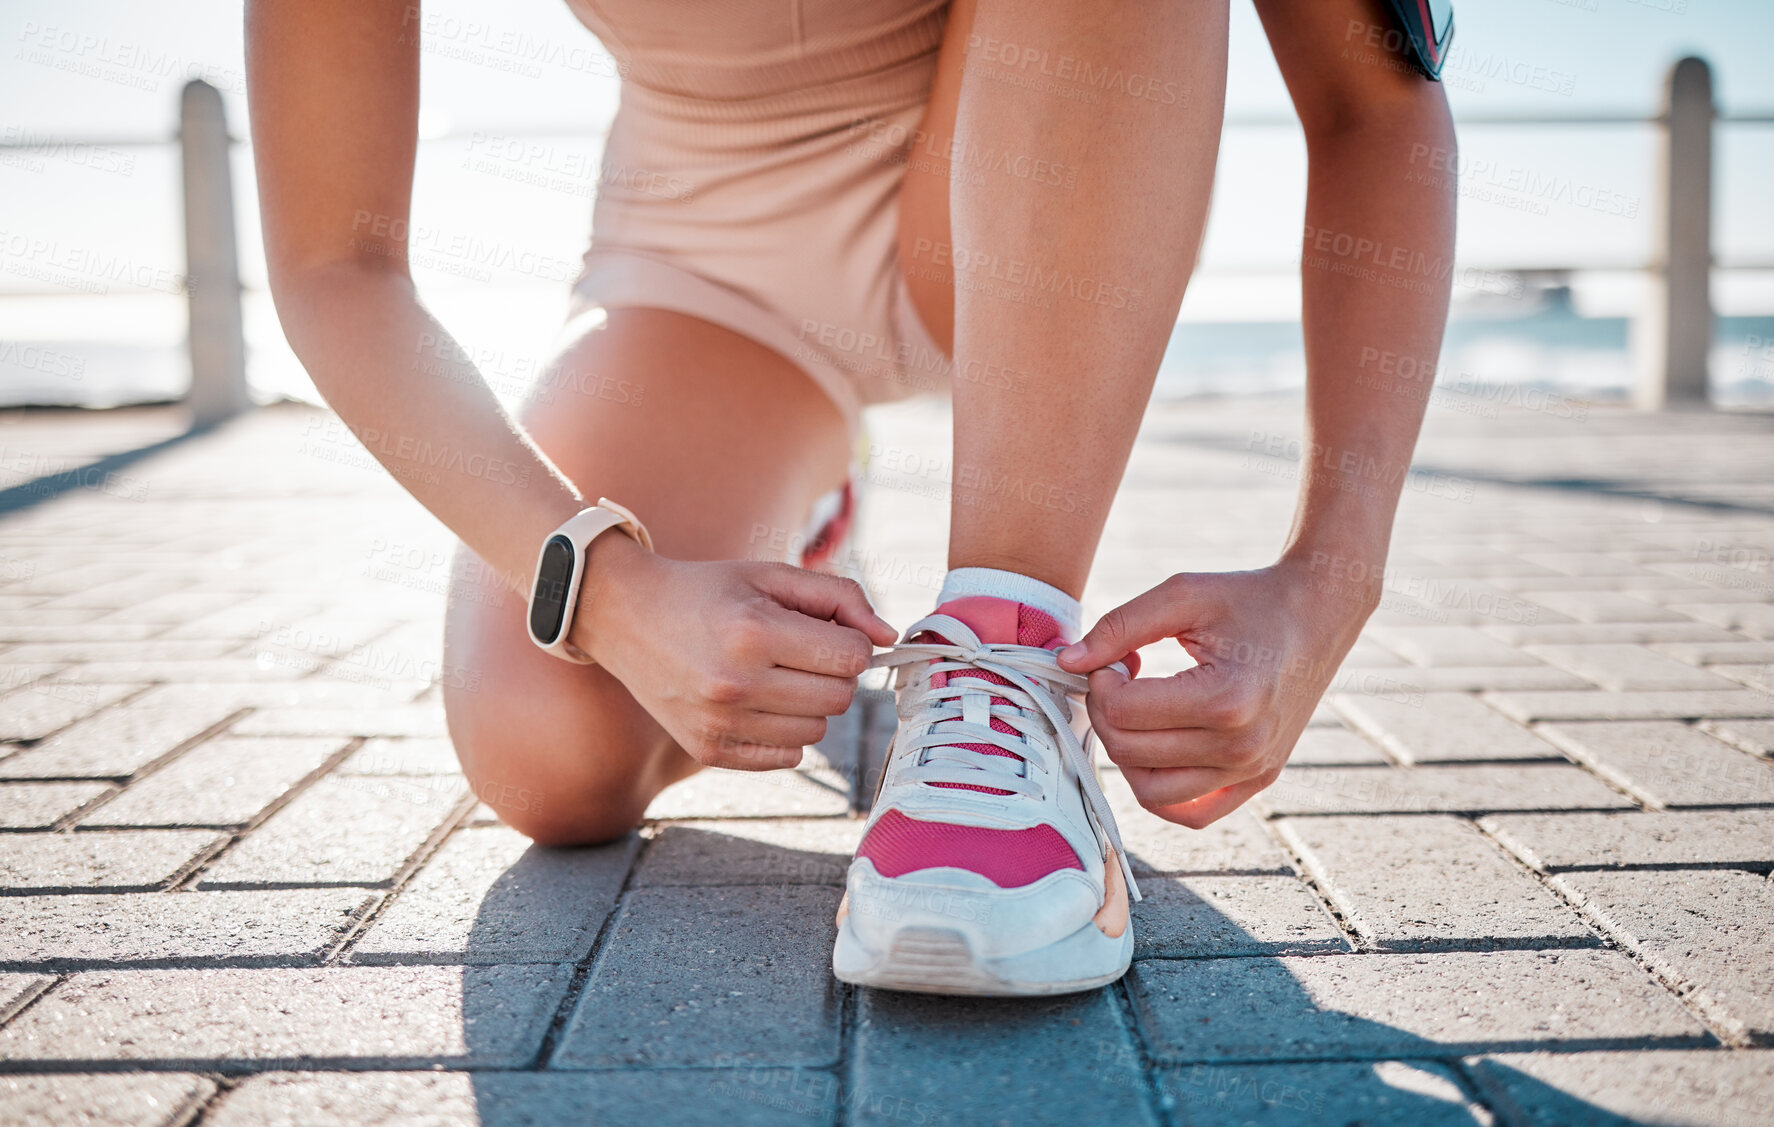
[(962, 712)]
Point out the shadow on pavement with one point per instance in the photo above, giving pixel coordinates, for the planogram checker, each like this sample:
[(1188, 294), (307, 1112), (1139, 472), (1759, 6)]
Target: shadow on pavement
[(714, 1004)]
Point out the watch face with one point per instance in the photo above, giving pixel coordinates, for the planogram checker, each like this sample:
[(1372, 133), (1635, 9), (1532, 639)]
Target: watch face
[(548, 604)]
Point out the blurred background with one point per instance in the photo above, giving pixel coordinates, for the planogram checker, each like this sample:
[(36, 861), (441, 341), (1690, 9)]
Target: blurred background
[(1560, 172)]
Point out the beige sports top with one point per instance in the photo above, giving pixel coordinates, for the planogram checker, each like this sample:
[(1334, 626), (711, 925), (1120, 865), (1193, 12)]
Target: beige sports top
[(751, 178)]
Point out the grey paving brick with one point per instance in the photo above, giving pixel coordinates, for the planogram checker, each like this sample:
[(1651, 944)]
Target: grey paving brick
[(698, 976), (1717, 653), (689, 1097), (1474, 678), (222, 782), (101, 650), (1334, 747), (920, 1056), (1402, 1005), (1191, 917), (411, 720), (1667, 764), (491, 896), (1677, 1088), (1369, 654), (1677, 593), (214, 671), (1706, 931), (1441, 728), (121, 740), (136, 860), (1450, 645), (256, 618), (1422, 883), (347, 831), (1753, 619), (1449, 788), (1624, 668), (1459, 602), (38, 806), (44, 707), (402, 757), (751, 851), (16, 673), (18, 989), (1591, 633), (1586, 564), (411, 1017), (1690, 839), (1236, 843), (1753, 736), (720, 793), (1758, 677), (1724, 704), (98, 1099), (1307, 1095), (1606, 606), (48, 632), (68, 931)]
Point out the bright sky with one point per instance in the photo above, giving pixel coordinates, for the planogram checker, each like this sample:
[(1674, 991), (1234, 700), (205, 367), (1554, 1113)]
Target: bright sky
[(111, 69)]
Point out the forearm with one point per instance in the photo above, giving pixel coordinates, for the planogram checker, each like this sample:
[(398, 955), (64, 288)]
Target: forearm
[(1376, 274), (399, 382)]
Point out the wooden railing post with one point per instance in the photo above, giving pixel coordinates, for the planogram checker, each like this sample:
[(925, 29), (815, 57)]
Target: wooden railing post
[(217, 340), (1674, 333)]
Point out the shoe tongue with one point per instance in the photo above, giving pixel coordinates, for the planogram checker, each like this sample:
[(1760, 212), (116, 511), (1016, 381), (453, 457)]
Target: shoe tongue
[(1005, 622)]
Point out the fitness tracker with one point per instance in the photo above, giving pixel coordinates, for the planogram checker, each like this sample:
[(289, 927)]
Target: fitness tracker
[(561, 567)]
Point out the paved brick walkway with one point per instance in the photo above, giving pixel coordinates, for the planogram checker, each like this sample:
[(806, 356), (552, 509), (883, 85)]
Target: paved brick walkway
[(1519, 873)]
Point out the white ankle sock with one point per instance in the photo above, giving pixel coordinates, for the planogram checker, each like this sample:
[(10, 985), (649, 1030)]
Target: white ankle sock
[(966, 581)]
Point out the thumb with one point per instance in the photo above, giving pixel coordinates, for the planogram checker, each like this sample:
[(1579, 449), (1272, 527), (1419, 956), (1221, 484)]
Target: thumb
[(826, 597), (1160, 613)]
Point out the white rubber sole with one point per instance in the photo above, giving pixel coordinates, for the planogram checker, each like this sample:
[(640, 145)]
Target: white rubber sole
[(939, 960)]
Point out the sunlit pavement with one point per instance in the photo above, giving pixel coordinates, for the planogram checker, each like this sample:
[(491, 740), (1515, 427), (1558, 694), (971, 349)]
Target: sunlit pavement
[(1518, 873)]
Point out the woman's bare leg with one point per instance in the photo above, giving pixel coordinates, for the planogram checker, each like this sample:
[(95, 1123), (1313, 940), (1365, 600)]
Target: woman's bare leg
[(1084, 138), (712, 437)]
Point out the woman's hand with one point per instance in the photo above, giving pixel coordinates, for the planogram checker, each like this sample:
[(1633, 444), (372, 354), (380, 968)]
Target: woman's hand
[(741, 662), (1196, 745)]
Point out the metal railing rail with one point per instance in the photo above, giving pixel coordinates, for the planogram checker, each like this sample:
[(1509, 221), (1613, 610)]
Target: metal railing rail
[(1671, 336)]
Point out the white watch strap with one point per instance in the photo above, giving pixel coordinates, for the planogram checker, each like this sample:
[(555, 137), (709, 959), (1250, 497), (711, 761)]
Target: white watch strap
[(584, 527)]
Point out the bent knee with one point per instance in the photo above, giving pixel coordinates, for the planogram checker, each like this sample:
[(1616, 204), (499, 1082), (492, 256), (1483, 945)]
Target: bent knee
[(585, 826), (554, 791)]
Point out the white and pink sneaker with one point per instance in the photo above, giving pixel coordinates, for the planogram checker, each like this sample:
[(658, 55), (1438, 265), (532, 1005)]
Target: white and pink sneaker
[(991, 863)]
